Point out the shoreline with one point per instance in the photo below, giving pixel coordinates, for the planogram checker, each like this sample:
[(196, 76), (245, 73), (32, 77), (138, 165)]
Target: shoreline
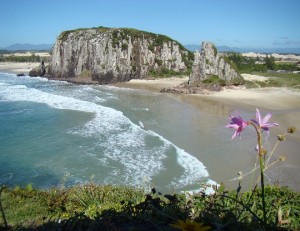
[(269, 98), (283, 103)]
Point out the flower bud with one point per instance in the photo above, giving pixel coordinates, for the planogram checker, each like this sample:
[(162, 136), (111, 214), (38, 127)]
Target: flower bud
[(281, 137), (292, 129), (282, 158)]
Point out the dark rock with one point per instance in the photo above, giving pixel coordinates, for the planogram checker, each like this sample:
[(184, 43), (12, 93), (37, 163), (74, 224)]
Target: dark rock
[(41, 70)]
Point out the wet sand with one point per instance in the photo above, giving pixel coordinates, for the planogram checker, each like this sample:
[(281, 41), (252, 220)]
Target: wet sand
[(284, 104)]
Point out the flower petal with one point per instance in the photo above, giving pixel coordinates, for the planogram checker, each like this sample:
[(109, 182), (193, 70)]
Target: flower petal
[(269, 125), (234, 135), (238, 124), (258, 117), (266, 118), (232, 126)]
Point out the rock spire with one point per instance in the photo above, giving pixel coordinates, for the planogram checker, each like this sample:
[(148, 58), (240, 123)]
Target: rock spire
[(209, 63)]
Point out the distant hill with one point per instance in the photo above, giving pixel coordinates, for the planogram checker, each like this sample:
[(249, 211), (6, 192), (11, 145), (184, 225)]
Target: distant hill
[(28, 47), (193, 48)]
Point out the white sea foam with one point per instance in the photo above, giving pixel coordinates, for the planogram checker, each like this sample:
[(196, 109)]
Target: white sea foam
[(194, 170), (207, 189), (140, 109), (141, 124), (121, 140), (7, 74)]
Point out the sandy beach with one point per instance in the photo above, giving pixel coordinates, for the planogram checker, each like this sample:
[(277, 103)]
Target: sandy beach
[(17, 68), (284, 102), (275, 99), (272, 98)]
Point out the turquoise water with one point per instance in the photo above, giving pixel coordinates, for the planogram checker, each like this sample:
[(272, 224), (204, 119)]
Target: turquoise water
[(52, 130)]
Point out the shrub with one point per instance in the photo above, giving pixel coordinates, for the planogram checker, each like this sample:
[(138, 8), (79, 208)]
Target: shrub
[(158, 61), (86, 73), (214, 79), (124, 46)]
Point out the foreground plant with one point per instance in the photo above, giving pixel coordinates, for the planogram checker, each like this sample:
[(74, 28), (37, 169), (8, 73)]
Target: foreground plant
[(1, 209), (261, 125), (188, 225)]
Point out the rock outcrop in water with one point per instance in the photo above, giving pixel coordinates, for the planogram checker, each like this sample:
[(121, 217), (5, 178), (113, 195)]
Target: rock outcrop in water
[(41, 70), (209, 63), (116, 54)]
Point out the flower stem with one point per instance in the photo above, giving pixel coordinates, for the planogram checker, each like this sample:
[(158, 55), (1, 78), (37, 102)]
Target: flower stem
[(262, 168), (253, 174), (261, 161)]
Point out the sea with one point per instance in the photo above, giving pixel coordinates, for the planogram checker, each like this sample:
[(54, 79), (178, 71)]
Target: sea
[(55, 132)]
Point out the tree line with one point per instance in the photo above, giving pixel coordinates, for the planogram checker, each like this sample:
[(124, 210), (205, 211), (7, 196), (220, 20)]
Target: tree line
[(13, 58), (248, 64)]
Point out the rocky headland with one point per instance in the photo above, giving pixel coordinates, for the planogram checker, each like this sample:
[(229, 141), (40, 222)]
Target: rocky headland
[(110, 55)]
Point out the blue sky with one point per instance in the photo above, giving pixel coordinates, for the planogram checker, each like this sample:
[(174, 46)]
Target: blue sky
[(239, 23)]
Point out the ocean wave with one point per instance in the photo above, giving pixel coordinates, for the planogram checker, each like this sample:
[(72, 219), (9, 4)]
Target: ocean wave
[(140, 153)]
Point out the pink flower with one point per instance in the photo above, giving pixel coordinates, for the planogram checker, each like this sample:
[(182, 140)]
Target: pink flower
[(264, 123), (238, 124)]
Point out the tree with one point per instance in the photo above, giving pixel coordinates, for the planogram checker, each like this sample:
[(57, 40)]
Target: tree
[(270, 62)]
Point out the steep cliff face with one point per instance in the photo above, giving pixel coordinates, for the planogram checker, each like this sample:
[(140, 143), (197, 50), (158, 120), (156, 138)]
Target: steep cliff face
[(209, 63), (111, 54)]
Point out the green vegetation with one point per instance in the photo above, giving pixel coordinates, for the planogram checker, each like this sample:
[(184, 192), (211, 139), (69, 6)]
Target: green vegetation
[(158, 61), (13, 58), (124, 46), (279, 72), (64, 35), (166, 73), (123, 33), (85, 74), (188, 60), (291, 80), (270, 62), (93, 207), (215, 50), (214, 79), (249, 65), (231, 63)]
